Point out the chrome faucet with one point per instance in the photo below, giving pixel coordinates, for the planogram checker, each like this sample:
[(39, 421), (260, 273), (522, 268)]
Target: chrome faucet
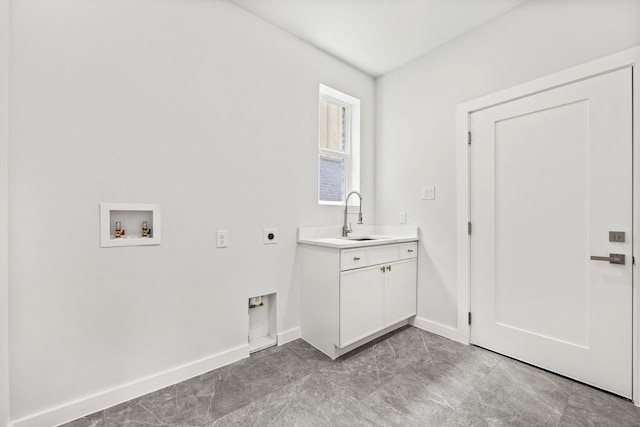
[(346, 230)]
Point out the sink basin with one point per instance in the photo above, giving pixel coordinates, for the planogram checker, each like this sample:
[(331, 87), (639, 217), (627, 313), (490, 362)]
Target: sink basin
[(363, 238)]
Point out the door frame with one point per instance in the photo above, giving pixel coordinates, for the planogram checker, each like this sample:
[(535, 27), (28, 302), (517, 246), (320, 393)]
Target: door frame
[(625, 59)]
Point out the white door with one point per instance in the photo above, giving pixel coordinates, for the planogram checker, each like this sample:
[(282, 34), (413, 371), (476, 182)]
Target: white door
[(551, 176)]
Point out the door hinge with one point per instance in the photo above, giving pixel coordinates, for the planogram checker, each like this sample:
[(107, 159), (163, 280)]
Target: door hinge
[(469, 137), (469, 227), (469, 317)]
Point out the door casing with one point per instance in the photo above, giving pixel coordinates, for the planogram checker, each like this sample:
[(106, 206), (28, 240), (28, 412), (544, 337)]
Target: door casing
[(624, 59)]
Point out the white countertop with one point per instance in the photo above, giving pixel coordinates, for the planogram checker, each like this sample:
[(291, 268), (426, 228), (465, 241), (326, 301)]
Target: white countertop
[(382, 235)]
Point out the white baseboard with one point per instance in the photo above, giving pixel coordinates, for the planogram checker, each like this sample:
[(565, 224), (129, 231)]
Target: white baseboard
[(439, 329), (96, 402), (288, 336)]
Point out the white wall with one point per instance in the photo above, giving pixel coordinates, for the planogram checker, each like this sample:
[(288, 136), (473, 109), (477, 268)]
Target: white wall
[(416, 113), (192, 104), (4, 175)]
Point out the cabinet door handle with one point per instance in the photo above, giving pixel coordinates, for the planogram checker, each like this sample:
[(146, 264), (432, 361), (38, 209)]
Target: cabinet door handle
[(356, 258), (409, 250), (382, 269), (388, 268)]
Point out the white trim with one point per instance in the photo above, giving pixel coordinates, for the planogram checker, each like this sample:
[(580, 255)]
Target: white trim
[(107, 398), (636, 227), (439, 329), (624, 59), (4, 210), (337, 95), (352, 153), (288, 336)]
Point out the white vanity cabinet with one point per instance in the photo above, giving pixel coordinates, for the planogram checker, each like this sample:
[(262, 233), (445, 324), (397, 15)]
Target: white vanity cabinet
[(350, 296)]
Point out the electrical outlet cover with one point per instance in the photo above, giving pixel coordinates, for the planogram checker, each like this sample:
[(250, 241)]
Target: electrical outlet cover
[(429, 192), (270, 236)]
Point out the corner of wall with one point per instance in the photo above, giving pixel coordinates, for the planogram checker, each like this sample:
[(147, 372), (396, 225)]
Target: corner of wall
[(4, 207)]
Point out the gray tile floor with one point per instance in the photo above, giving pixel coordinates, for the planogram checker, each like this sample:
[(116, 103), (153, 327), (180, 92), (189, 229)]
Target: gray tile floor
[(406, 378)]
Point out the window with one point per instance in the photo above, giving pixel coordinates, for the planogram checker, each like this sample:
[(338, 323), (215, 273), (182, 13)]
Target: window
[(339, 146)]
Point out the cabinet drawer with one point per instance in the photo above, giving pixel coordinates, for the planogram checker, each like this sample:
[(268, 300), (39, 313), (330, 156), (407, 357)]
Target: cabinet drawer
[(408, 250), (353, 258), (373, 255), (382, 254)]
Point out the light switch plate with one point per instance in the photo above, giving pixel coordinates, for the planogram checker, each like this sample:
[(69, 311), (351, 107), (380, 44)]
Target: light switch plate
[(222, 238), (429, 192)]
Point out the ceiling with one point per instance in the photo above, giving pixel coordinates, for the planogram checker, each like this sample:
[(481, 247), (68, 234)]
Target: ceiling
[(377, 36)]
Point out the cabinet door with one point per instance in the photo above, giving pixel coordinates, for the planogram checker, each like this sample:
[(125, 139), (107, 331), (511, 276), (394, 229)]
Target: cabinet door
[(360, 304), (400, 291)]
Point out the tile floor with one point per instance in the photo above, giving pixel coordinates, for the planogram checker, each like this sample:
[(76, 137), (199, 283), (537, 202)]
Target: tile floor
[(406, 378)]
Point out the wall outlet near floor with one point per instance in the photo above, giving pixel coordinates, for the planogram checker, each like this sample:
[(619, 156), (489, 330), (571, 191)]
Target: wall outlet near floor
[(270, 236), (222, 238), (429, 192), (403, 217)]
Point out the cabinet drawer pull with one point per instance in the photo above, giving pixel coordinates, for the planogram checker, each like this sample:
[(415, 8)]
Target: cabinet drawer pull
[(409, 250), (356, 258)]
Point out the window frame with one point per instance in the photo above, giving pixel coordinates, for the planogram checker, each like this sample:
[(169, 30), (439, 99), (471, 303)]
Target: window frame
[(351, 152)]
